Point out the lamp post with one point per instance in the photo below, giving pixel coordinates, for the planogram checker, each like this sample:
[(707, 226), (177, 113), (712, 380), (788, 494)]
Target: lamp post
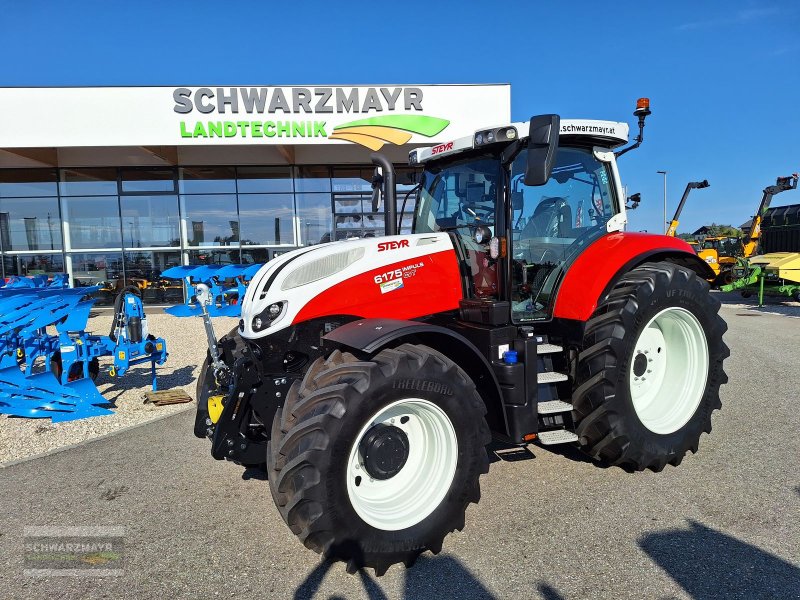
[(664, 173)]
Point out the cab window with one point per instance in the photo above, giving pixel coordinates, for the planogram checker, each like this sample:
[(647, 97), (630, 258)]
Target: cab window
[(552, 223), (457, 198)]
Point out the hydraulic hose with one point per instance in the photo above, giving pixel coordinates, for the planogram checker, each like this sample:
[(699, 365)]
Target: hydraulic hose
[(119, 311)]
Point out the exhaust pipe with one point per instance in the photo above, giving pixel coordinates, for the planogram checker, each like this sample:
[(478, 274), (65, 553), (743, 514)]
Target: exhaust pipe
[(389, 192)]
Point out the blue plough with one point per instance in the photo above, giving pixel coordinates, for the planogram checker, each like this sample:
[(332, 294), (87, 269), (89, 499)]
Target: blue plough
[(43, 323), (225, 301)]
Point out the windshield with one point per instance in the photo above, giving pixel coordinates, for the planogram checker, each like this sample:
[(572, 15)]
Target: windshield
[(458, 194), (553, 223)]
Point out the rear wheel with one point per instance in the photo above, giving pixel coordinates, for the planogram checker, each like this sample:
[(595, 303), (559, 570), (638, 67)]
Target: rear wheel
[(649, 373), (374, 462)]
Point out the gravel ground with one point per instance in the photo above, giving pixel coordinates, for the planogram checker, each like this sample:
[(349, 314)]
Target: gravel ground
[(21, 438)]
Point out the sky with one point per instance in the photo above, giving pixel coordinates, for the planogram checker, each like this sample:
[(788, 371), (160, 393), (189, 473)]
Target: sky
[(722, 76)]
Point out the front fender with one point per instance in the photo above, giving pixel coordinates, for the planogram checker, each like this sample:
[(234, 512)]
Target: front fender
[(370, 336)]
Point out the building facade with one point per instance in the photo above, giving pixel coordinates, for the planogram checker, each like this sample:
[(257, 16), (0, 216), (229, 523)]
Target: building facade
[(114, 185)]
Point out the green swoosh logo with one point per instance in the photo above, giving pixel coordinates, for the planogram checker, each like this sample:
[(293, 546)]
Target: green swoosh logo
[(423, 125)]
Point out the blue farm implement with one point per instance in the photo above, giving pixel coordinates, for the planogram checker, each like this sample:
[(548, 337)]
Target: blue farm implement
[(225, 288), (47, 359)]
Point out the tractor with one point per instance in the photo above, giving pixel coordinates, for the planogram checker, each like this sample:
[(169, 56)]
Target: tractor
[(371, 375)]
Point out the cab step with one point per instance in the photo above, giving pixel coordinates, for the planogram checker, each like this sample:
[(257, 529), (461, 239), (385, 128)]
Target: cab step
[(553, 406), (548, 349), (558, 436), (550, 377)]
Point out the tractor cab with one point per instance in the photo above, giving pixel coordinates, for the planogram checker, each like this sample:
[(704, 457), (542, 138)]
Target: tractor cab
[(505, 224)]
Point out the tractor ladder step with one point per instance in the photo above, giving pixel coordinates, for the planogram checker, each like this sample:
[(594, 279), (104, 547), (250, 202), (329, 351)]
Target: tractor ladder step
[(553, 406), (558, 436), (548, 349), (550, 377)]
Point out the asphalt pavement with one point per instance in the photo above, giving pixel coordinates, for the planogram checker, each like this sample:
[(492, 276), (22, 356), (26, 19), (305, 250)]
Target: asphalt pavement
[(724, 524)]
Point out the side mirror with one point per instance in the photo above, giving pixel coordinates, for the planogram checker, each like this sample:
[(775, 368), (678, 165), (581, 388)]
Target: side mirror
[(633, 201), (542, 148), (482, 234)]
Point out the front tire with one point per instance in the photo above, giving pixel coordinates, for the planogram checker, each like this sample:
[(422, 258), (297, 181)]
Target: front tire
[(374, 462), (650, 369)]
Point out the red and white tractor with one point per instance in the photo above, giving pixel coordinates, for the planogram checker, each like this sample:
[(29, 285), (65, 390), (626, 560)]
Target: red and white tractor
[(371, 374)]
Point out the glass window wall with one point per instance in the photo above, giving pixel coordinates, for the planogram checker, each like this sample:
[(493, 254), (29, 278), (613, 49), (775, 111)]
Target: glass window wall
[(88, 182), (100, 269), (252, 256), (253, 180), (32, 264), (266, 219), (214, 257), (92, 221), (207, 180), (313, 179), (29, 224), (315, 218), (150, 221), (211, 220), (28, 182), (143, 269), (147, 181)]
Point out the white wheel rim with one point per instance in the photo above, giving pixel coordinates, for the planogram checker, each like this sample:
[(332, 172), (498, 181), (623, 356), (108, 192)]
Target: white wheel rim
[(418, 488), (668, 370)]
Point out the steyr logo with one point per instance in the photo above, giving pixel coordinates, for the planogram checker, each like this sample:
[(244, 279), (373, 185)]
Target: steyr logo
[(442, 148), (392, 245)]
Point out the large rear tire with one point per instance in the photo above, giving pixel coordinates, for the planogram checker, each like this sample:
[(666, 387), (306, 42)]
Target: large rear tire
[(374, 462), (650, 369)]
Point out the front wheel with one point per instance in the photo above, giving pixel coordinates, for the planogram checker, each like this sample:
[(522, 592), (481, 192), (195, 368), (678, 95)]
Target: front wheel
[(650, 369), (374, 462)]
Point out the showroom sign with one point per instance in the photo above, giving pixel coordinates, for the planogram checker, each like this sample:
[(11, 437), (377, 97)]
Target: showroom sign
[(246, 115), (288, 109)]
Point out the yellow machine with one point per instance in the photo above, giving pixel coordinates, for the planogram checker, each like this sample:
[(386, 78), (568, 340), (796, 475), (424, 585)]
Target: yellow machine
[(750, 243), (692, 185), (720, 254)]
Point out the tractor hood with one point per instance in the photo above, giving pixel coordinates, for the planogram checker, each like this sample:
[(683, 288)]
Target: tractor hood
[(397, 277)]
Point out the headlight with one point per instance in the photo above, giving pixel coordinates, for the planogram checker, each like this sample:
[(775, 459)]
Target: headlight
[(268, 316), (711, 260)]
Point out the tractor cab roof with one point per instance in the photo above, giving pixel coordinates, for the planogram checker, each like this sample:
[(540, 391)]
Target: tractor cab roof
[(607, 134)]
